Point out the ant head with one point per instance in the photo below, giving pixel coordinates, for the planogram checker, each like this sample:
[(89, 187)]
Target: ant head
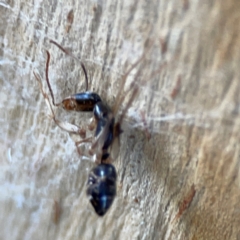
[(69, 104)]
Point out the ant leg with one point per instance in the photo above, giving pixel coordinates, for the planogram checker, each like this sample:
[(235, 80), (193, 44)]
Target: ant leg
[(86, 140), (134, 93), (92, 124), (89, 139), (71, 128), (117, 127), (120, 98), (96, 156)]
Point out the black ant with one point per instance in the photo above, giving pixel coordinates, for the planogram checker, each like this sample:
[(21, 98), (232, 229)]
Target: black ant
[(101, 185)]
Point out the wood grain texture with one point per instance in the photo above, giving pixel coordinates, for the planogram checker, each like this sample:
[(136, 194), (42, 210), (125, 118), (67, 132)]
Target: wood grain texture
[(183, 182)]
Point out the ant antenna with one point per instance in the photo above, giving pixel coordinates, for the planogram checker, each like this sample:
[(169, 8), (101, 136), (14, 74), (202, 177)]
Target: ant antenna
[(47, 79), (70, 54)]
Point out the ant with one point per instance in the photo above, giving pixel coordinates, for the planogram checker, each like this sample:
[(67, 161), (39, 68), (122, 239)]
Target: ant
[(101, 184)]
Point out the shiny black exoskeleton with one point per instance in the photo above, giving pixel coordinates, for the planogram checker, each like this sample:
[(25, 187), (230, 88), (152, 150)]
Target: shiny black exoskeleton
[(101, 188), (84, 101), (105, 122)]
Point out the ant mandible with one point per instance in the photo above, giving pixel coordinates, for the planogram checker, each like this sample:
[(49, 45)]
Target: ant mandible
[(101, 185)]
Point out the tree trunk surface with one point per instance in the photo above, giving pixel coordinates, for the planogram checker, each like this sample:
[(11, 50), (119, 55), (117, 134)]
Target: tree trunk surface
[(178, 163)]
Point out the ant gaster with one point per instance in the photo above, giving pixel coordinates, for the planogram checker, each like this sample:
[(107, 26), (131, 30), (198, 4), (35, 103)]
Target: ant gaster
[(101, 185)]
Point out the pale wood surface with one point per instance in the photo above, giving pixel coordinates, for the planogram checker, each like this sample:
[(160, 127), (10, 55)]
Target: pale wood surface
[(189, 93)]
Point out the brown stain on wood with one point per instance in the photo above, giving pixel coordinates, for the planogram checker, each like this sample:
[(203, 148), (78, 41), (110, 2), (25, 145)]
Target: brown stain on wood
[(176, 88), (185, 203), (56, 212), (70, 18)]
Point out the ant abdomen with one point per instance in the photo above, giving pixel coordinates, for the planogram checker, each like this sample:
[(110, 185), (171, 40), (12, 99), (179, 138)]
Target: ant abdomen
[(101, 187)]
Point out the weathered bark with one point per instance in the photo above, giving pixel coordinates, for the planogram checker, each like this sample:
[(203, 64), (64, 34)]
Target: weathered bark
[(183, 182)]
